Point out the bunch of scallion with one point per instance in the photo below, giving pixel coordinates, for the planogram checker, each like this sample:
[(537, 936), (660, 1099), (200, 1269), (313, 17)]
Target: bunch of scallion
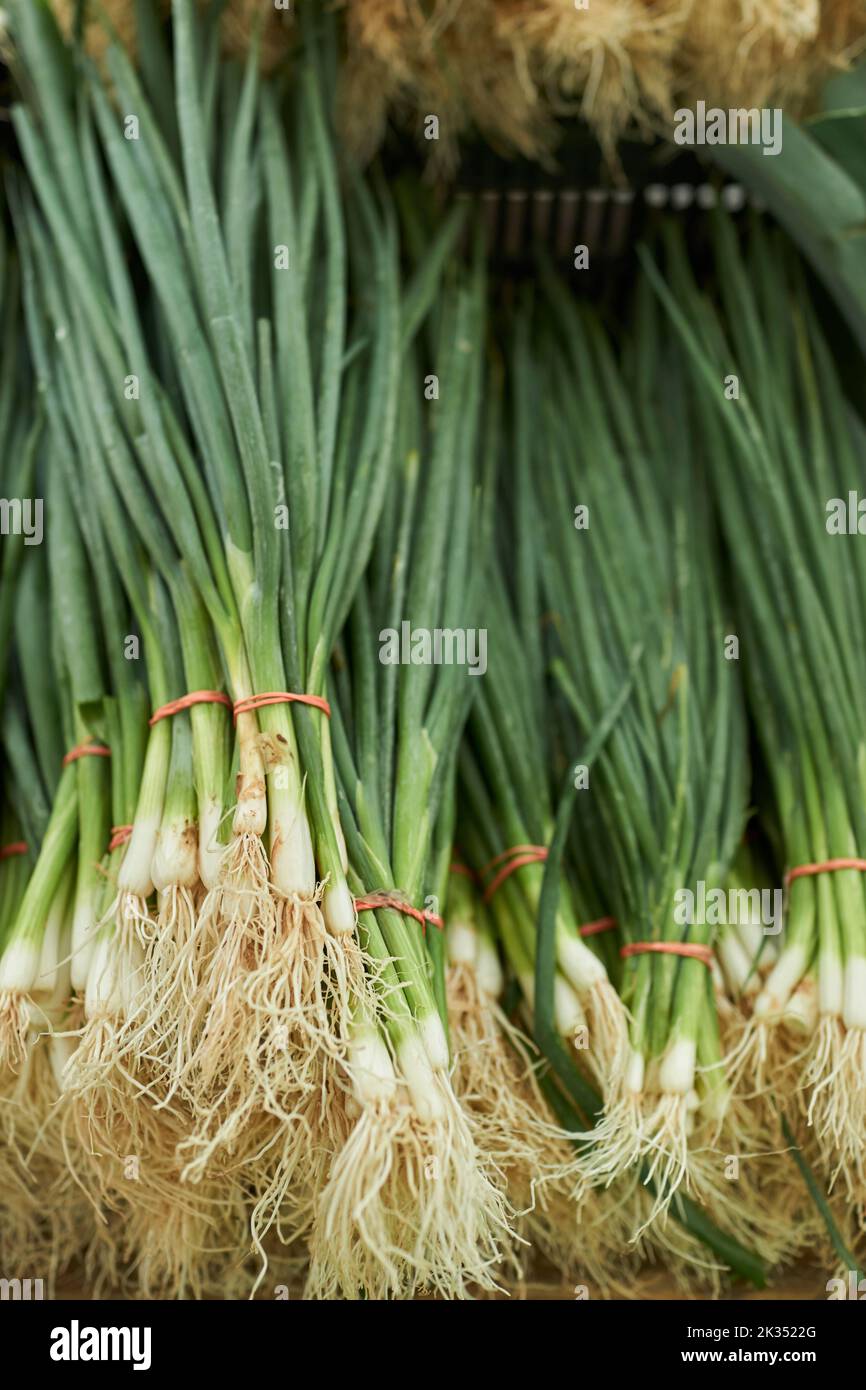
[(631, 579), (787, 458), (411, 1201)]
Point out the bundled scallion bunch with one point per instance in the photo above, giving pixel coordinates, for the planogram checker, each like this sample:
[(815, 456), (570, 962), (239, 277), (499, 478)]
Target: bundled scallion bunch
[(631, 578), (787, 455)]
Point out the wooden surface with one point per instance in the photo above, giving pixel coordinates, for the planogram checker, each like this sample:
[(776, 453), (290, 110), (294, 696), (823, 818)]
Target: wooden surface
[(804, 1283), (801, 1284)]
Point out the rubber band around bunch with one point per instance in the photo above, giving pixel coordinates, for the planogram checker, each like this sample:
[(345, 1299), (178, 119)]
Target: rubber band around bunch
[(374, 901), (463, 870), (279, 697), (195, 697), (13, 849), (119, 836), (691, 950), (511, 859), (517, 857), (828, 866), (596, 928), (86, 750)]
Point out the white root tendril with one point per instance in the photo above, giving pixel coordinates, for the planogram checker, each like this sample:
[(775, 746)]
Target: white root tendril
[(608, 1026), (669, 1157), (408, 1207), (163, 1008), (494, 1078), (14, 1028), (836, 1104), (615, 1144)]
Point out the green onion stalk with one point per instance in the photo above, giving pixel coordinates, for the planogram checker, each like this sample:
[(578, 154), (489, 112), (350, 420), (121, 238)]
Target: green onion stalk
[(44, 1219), (113, 923), (138, 426), (816, 188), (507, 770), (789, 449), (20, 433), (115, 1104), (116, 1085), (409, 1201), (118, 341), (491, 948), (509, 808), (84, 489), (631, 579), (37, 910), (34, 940), (127, 1127)]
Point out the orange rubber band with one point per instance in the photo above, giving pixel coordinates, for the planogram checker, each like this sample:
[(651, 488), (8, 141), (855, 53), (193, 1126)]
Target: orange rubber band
[(523, 854), (377, 900), (595, 928), (195, 697), (17, 847), (828, 867), (119, 836), (86, 750), (279, 697), (669, 948)]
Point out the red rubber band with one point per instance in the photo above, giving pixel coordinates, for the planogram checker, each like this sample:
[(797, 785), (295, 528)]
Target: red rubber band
[(377, 900), (669, 948), (463, 869), (280, 697), (595, 928), (195, 697), (524, 854), (538, 850), (828, 867), (17, 847), (86, 750), (119, 836)]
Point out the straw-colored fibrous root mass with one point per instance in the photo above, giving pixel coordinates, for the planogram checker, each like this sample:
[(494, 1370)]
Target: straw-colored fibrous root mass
[(272, 20), (120, 15), (451, 62), (510, 70), (274, 1000), (495, 1079), (578, 1229), (45, 1220)]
